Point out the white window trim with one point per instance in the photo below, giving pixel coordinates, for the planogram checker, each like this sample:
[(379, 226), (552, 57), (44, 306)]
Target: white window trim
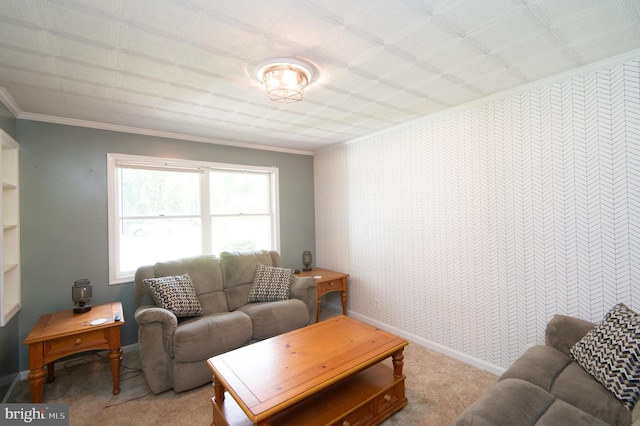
[(113, 159)]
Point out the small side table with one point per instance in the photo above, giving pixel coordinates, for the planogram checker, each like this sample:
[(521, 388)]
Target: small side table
[(64, 333), (328, 282)]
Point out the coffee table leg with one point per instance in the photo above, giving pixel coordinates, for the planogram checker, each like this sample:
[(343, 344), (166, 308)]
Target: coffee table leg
[(398, 363), (218, 389)]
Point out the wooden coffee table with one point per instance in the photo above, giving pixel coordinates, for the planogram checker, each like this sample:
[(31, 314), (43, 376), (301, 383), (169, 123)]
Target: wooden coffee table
[(327, 373)]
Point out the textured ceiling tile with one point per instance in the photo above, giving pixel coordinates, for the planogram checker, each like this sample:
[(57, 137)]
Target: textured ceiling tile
[(30, 61), (619, 40), (499, 81), (133, 98), (19, 37), (536, 67), (471, 15), (32, 79), (83, 72), (83, 24), (508, 31), (388, 18), (103, 56), (427, 36), (454, 58), (178, 18), (147, 67), (138, 40), (477, 69), (532, 46), (303, 25), (554, 11), (222, 35), (604, 19), (382, 64)]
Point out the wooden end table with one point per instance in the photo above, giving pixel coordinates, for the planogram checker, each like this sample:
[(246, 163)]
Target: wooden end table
[(328, 282), (64, 333)]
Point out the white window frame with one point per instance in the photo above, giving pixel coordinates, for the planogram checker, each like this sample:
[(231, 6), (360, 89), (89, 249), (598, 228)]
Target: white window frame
[(114, 159)]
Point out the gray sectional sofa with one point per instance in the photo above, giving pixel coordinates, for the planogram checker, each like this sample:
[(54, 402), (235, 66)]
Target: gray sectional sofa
[(545, 386), (174, 349)]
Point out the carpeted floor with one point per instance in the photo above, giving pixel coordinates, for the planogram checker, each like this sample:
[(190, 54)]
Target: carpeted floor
[(438, 388)]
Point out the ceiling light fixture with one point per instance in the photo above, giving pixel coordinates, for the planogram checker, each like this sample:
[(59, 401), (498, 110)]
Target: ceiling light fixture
[(285, 79)]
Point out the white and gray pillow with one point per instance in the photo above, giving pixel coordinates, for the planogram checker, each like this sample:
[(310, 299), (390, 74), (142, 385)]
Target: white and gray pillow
[(610, 352), (270, 284), (176, 294)]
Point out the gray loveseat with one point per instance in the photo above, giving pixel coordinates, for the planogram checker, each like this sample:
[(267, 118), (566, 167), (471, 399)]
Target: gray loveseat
[(547, 387), (174, 350)]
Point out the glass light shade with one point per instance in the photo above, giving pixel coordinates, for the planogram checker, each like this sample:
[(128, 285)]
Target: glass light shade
[(306, 260), (81, 294), (285, 83)]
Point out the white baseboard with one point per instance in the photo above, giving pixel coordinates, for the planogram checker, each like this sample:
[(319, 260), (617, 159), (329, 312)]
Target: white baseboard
[(491, 368)]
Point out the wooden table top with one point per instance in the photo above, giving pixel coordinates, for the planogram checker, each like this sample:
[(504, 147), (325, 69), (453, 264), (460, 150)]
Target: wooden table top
[(66, 323), (324, 274), (268, 376)]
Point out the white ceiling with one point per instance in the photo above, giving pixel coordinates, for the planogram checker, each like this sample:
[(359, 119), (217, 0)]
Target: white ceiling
[(187, 66)]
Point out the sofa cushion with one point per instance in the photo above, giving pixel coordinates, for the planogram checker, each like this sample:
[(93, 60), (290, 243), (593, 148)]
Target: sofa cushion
[(204, 337), (272, 318), (176, 294), (610, 352), (270, 284), (539, 365), (239, 271), (206, 276), (578, 388), (556, 373), (518, 402)]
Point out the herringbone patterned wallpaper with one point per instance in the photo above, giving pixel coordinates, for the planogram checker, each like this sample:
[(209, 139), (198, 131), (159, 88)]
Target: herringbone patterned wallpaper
[(472, 229)]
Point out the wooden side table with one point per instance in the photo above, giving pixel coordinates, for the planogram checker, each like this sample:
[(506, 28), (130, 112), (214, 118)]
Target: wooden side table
[(64, 333), (328, 281)]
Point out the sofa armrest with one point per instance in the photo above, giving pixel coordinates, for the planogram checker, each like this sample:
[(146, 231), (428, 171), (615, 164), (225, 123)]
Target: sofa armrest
[(563, 332), (150, 314), (304, 288), (156, 328)]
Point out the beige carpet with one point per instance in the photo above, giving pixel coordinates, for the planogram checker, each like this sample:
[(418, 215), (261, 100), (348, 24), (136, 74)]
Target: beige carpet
[(438, 388)]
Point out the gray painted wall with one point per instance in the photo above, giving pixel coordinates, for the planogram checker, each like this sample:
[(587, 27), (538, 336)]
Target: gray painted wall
[(63, 174), (9, 342)]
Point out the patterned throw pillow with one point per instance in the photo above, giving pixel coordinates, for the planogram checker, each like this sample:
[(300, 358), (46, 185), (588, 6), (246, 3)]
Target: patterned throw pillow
[(610, 352), (270, 284), (175, 294)]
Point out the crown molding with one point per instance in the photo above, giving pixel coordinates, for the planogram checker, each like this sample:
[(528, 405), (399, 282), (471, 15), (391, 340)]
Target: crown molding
[(15, 109), (10, 103)]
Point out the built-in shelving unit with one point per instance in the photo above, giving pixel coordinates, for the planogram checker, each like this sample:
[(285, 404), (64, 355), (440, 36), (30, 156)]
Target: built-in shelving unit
[(10, 302)]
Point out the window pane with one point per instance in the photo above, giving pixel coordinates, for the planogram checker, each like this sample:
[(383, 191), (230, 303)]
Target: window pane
[(155, 192), (144, 242), (240, 233), (235, 192)]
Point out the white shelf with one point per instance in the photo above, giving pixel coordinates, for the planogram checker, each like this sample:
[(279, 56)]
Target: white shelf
[(10, 286)]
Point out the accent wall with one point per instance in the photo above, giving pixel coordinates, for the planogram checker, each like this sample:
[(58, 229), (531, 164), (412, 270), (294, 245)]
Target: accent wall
[(468, 231)]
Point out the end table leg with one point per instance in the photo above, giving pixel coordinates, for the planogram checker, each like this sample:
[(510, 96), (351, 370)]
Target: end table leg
[(36, 384), (115, 356), (344, 302), (398, 363), (218, 389)]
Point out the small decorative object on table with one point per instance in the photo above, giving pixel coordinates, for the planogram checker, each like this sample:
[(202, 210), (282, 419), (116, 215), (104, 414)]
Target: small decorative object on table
[(81, 294), (306, 260)]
